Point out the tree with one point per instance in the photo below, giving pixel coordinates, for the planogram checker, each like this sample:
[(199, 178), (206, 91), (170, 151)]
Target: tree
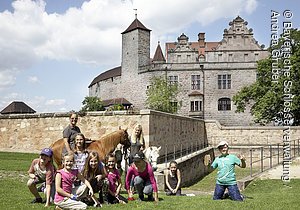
[(161, 95), (275, 96), (92, 103)]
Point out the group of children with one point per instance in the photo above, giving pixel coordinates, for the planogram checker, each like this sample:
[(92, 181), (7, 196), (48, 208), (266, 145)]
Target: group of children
[(83, 174), (69, 188)]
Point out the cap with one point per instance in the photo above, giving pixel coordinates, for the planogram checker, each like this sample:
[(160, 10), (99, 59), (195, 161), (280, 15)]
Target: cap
[(47, 151), (138, 156), (222, 143)]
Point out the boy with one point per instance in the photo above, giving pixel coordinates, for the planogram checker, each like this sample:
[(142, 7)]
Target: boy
[(42, 170), (226, 174)]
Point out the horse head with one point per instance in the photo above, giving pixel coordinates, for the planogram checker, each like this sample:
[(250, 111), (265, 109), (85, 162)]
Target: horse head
[(152, 154), (125, 141)]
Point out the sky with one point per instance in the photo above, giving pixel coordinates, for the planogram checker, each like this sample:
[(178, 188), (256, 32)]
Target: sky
[(51, 50)]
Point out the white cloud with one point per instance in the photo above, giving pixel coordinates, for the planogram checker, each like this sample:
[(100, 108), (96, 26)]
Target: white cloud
[(33, 79), (91, 34), (55, 102)]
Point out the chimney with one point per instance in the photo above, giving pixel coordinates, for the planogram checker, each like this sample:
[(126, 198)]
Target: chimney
[(201, 39)]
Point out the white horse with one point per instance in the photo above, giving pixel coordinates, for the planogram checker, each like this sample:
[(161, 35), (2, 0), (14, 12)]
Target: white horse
[(152, 154)]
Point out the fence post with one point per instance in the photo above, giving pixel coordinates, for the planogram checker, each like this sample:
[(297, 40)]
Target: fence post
[(271, 156), (181, 150), (166, 156), (294, 148), (278, 153), (250, 162), (261, 159), (174, 155), (298, 147)]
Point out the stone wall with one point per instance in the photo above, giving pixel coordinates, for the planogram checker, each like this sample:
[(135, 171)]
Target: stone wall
[(192, 168), (32, 132), (246, 135)]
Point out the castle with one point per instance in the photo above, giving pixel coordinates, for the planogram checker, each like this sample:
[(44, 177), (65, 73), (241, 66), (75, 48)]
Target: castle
[(209, 74)]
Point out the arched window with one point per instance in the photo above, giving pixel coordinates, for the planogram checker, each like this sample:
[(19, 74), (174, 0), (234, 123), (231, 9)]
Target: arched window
[(224, 104)]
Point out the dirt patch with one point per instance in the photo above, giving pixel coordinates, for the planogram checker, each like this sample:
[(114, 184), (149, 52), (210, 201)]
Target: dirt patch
[(22, 176)]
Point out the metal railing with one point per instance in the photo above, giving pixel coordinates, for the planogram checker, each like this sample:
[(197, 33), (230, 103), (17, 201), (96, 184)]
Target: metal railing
[(175, 151), (265, 157)]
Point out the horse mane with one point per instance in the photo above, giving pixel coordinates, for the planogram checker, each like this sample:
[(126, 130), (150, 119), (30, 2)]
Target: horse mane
[(106, 143)]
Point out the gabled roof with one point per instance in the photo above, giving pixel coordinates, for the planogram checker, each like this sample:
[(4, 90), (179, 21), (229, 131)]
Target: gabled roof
[(136, 24), (17, 107), (106, 75), (158, 56), (114, 101)]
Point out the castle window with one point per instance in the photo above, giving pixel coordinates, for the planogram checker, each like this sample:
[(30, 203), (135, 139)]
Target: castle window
[(195, 82), (256, 56), (196, 106), (224, 104), (224, 81), (174, 106), (173, 80), (246, 57), (178, 58), (219, 57), (188, 58), (230, 57)]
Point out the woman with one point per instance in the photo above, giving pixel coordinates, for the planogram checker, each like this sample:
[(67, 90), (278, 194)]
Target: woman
[(142, 176)]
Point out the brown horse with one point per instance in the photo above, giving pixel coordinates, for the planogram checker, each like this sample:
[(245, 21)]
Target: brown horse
[(103, 146)]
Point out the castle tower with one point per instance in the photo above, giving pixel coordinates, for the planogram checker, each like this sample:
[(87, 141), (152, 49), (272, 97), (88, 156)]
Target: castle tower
[(135, 48), (135, 58)]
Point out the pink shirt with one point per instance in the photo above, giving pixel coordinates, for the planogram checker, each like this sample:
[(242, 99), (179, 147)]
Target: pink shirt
[(113, 177), (147, 174), (67, 179), (44, 175)]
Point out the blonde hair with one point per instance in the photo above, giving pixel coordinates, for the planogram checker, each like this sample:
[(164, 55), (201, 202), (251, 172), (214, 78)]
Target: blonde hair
[(139, 138)]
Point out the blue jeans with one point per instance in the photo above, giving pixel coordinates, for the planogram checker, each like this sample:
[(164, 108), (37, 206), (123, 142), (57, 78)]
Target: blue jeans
[(233, 192)]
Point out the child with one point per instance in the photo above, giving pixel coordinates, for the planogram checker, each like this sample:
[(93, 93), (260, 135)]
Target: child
[(65, 197), (173, 179), (42, 170), (226, 174), (142, 176), (114, 179), (95, 173)]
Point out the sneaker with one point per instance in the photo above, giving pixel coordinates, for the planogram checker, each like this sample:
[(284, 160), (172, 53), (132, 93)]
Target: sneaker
[(150, 198), (97, 205), (37, 200), (141, 198)]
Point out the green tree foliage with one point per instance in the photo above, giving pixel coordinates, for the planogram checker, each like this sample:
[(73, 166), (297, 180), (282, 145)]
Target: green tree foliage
[(161, 95), (275, 96), (92, 104)]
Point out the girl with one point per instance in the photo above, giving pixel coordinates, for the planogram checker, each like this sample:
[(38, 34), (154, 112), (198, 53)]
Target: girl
[(137, 141), (65, 198), (95, 173), (141, 173), (114, 179), (42, 170), (80, 152), (173, 179)]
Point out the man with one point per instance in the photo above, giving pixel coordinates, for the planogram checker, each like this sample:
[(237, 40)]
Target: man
[(226, 174)]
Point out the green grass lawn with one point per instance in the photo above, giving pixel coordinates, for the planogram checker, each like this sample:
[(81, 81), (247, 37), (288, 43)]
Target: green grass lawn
[(260, 194)]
